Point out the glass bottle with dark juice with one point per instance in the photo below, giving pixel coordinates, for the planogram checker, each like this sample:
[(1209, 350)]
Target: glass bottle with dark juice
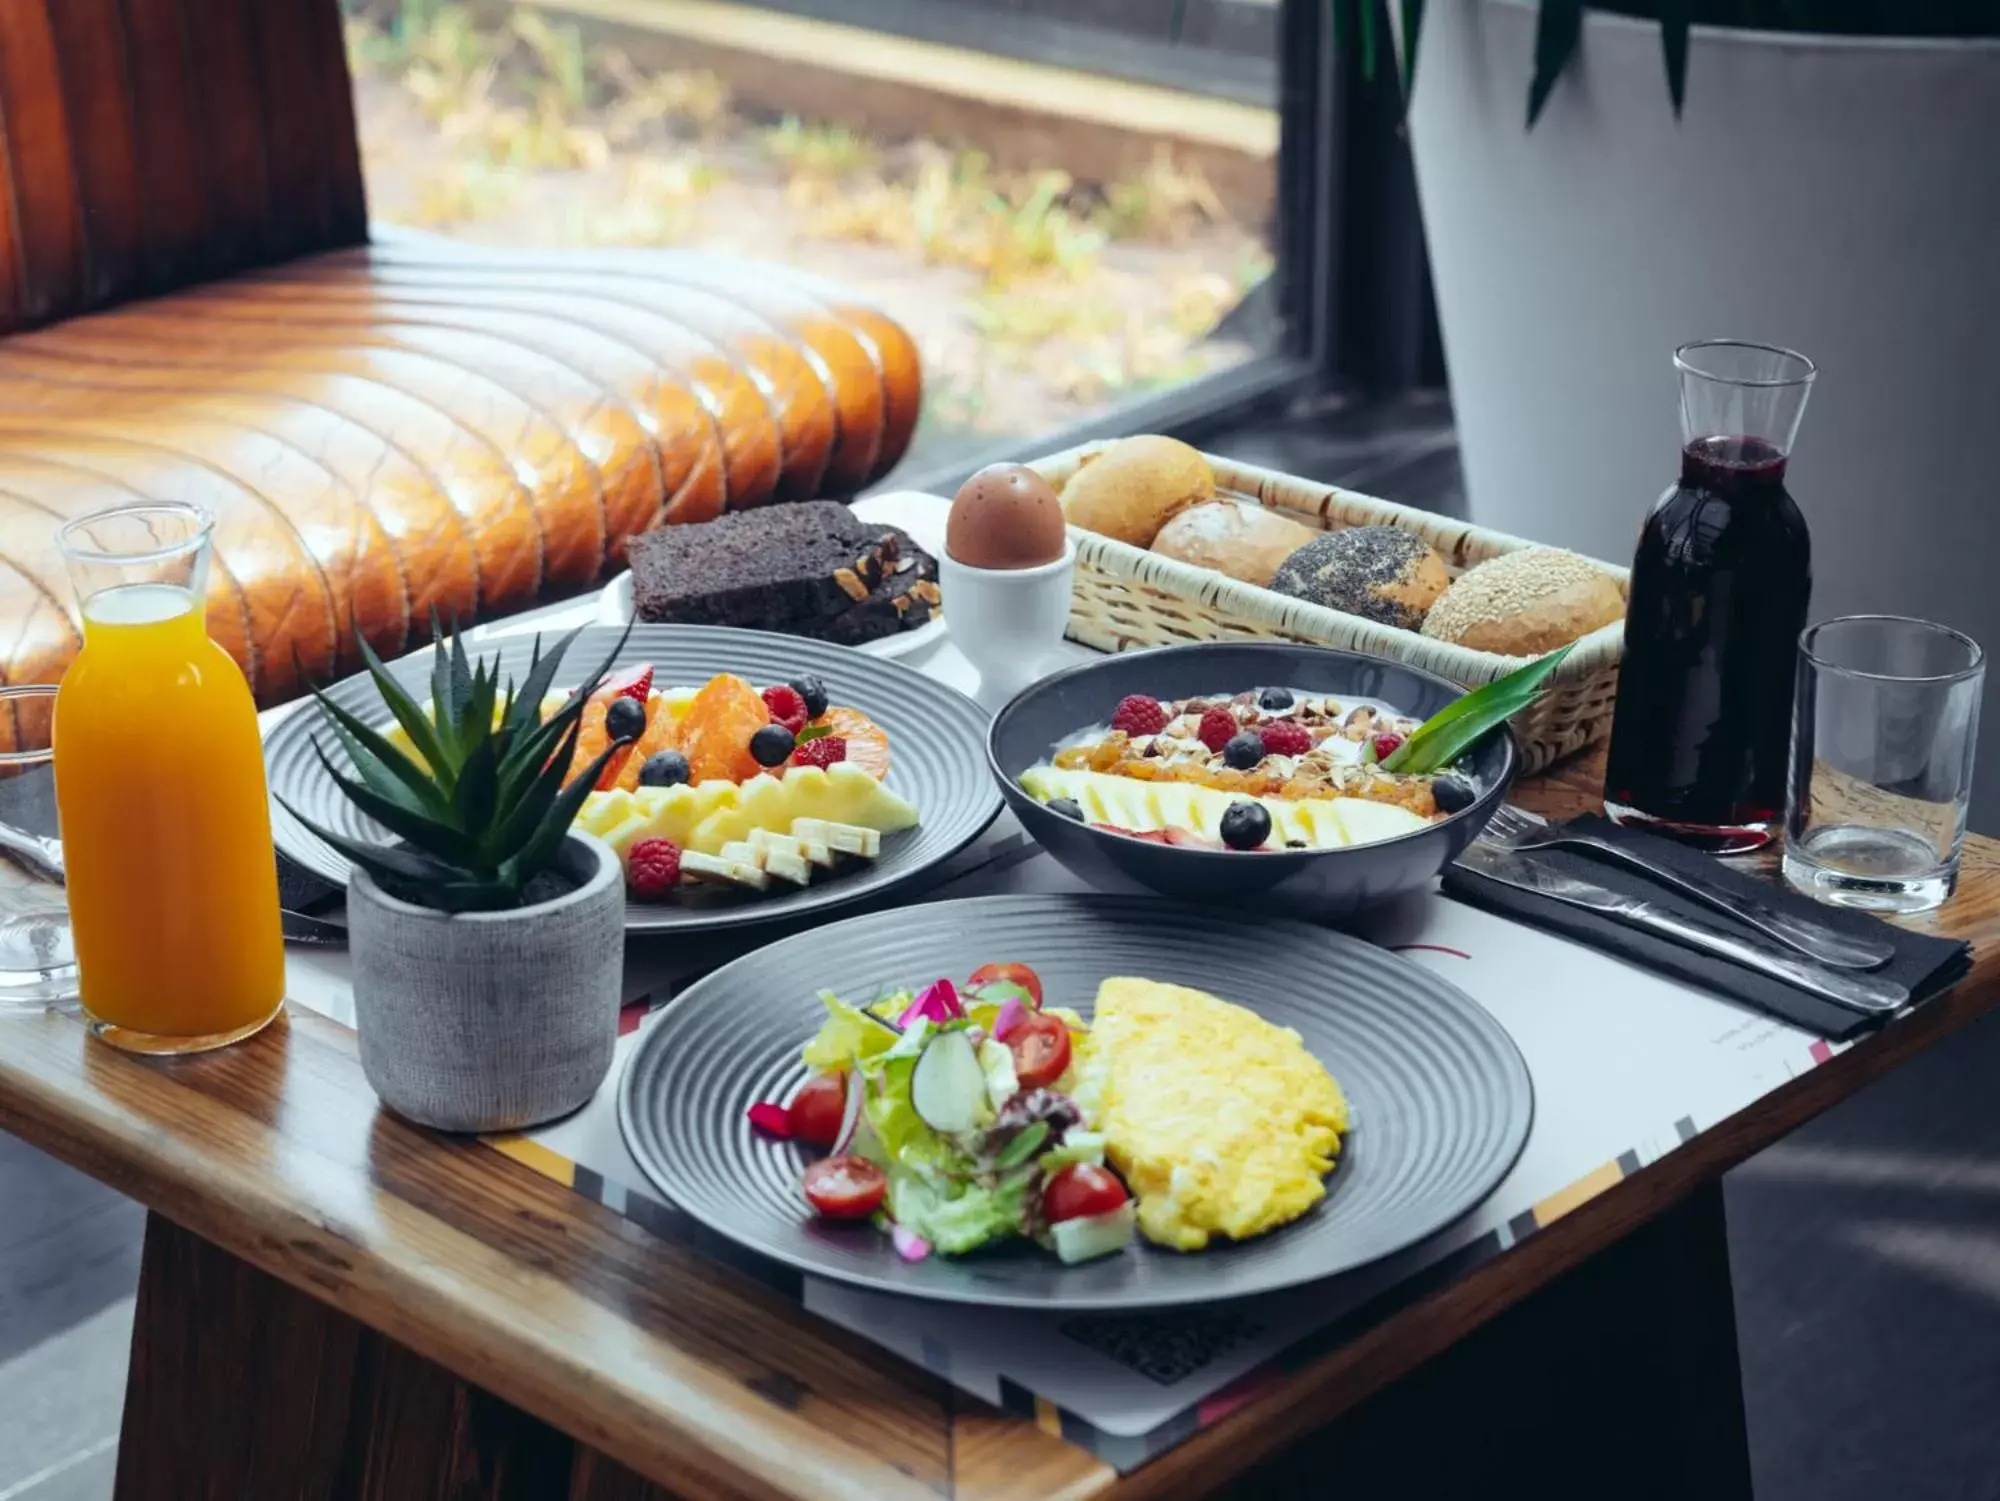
[(1720, 586)]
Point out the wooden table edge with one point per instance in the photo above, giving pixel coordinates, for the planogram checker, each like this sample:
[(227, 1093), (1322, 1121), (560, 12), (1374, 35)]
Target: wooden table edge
[(276, 1238)]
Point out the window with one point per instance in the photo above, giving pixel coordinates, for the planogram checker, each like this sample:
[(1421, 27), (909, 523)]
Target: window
[(1090, 213)]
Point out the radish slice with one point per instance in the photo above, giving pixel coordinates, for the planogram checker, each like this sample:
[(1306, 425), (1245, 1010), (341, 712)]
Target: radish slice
[(851, 1116), (909, 1245), (1012, 1014), (772, 1120), (936, 1003)]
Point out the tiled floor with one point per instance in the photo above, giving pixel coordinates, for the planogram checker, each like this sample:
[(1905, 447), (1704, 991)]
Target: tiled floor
[(1866, 1249)]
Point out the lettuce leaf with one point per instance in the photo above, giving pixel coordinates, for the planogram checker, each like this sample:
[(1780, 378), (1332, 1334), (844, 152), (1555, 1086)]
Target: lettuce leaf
[(846, 1038), (958, 1218)]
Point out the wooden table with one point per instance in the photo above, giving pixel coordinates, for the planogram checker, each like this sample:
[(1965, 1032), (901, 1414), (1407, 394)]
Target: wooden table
[(337, 1304)]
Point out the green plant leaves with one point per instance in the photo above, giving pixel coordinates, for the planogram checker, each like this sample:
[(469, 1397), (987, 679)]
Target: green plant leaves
[(1449, 733), (1557, 28), (487, 808), (1675, 18)]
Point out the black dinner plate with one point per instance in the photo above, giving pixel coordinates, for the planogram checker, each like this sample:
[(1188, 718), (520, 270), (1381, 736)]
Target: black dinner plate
[(936, 748), (1441, 1098)]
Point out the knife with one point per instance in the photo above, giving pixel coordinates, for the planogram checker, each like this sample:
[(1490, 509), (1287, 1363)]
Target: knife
[(1869, 994)]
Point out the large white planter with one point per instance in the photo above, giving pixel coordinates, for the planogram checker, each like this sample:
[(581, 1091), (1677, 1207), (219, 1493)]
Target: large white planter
[(1838, 196)]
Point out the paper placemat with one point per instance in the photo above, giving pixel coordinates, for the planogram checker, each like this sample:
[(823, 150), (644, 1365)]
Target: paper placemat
[(1627, 1066)]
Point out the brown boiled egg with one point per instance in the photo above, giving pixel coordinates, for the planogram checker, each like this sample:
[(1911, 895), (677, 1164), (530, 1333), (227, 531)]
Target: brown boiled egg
[(1005, 516)]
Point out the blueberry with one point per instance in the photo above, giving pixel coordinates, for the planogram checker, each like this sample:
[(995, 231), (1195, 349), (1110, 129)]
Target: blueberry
[(1067, 806), (773, 745), (1275, 699), (1245, 825), (1453, 794), (813, 691), (1244, 750), (625, 719), (667, 768)]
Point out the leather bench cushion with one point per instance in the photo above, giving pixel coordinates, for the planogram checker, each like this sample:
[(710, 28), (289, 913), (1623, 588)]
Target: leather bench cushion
[(397, 428)]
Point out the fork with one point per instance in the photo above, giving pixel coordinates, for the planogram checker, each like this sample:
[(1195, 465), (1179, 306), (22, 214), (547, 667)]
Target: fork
[(1517, 829)]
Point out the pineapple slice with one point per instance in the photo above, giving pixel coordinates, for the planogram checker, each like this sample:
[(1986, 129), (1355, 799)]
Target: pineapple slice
[(1318, 823), (837, 794)]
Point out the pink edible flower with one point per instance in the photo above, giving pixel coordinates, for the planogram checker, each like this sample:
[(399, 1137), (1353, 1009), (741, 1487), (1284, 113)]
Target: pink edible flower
[(936, 1003)]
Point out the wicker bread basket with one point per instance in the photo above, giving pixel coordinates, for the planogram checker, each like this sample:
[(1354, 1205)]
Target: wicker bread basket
[(1127, 599)]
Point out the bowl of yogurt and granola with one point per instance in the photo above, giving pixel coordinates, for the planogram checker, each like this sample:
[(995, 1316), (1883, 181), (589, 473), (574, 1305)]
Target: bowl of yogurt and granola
[(1258, 774)]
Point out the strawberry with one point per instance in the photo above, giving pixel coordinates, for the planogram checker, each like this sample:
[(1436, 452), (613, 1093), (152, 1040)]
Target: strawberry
[(653, 867), (1217, 725), (823, 752), (1189, 839), (1137, 714), (1285, 737), (633, 682), (787, 706)]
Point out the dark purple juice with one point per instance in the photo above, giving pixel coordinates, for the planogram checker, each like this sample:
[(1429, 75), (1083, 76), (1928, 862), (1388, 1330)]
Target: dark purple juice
[(1719, 591)]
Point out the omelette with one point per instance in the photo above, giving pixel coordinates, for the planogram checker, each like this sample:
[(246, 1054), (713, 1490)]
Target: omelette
[(1219, 1122)]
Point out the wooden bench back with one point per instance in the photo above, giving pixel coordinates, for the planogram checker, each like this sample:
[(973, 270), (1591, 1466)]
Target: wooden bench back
[(150, 144)]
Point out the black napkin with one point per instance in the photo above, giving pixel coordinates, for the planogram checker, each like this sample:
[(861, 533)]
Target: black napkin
[(1927, 965)]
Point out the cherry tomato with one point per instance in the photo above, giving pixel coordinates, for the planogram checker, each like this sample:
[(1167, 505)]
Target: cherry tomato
[(1012, 974), (1040, 1045), (817, 1110), (845, 1188), (1080, 1190)]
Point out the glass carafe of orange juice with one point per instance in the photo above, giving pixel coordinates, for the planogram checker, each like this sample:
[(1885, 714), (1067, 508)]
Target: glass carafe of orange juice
[(173, 886)]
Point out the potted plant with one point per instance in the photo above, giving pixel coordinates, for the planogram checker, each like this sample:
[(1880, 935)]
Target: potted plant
[(488, 939), (1811, 173)]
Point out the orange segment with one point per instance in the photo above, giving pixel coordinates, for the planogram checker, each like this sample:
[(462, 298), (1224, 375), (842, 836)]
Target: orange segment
[(867, 741), (662, 733), (715, 732)]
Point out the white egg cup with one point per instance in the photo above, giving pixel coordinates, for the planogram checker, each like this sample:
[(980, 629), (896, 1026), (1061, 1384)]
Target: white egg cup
[(1006, 621)]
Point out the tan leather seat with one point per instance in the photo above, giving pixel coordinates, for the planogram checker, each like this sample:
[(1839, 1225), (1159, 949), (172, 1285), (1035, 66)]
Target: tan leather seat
[(380, 430)]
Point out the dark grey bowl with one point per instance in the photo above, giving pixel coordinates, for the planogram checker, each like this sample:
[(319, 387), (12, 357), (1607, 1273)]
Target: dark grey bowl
[(1304, 883)]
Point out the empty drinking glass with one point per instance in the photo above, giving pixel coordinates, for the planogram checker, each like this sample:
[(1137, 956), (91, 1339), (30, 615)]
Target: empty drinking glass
[(37, 961), (1883, 728)]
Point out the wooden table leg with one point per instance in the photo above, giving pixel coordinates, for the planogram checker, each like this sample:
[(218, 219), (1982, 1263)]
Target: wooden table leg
[(1620, 1380), (242, 1387)]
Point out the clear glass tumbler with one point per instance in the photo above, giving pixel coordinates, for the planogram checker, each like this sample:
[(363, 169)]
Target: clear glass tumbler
[(37, 958), (1883, 728)]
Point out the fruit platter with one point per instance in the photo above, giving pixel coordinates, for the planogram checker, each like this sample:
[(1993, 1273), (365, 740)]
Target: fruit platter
[(744, 777), (1073, 1102)]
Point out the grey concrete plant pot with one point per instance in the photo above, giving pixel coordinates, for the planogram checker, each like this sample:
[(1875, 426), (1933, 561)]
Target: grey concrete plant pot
[(491, 1021)]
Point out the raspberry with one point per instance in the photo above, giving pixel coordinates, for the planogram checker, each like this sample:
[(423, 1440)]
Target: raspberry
[(787, 706), (1386, 746), (1282, 737), (822, 752), (1217, 725), (653, 867), (1139, 715)]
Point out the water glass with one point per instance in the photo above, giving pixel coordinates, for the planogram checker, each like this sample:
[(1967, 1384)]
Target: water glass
[(37, 959), (1883, 727)]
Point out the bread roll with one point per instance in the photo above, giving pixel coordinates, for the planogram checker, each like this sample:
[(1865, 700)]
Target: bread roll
[(1135, 486), (1526, 603), (1234, 537), (1380, 573)]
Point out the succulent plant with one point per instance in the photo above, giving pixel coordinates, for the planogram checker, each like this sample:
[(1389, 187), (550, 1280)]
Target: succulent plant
[(481, 808)]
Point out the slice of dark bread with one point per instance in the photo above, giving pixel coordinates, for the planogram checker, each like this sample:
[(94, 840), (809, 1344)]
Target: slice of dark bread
[(777, 568), (906, 598)]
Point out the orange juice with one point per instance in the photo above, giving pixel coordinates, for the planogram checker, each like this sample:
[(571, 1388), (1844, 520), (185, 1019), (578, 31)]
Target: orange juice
[(173, 886)]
